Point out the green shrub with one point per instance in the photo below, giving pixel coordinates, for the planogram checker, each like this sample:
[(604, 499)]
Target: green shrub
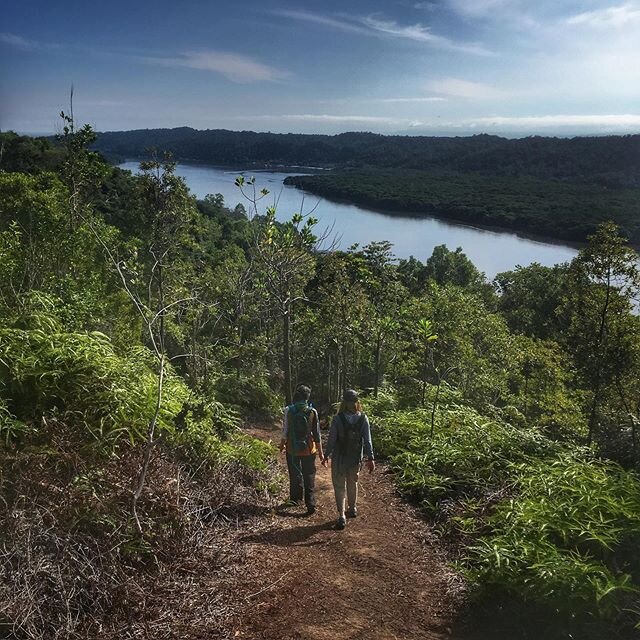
[(570, 537), (547, 524), (468, 454), (250, 396), (79, 379), (383, 404)]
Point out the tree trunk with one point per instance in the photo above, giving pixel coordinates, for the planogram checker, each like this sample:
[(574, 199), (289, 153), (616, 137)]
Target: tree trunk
[(286, 365), (151, 442), (424, 376), (598, 382), (377, 373), (239, 358), (329, 380), (435, 406)]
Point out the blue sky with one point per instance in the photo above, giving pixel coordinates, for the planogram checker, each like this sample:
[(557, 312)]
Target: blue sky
[(413, 67)]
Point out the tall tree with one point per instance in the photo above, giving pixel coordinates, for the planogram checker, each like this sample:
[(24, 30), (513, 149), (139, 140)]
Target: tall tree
[(282, 254), (604, 283)]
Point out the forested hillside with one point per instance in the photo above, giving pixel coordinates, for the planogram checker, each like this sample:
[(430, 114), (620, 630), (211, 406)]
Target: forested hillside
[(613, 160), (557, 188), (559, 210), (141, 329)]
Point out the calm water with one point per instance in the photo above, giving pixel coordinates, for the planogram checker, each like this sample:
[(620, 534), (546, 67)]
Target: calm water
[(490, 251)]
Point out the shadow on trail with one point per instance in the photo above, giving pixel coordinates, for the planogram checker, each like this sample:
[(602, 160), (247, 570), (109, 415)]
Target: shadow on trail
[(287, 537), (284, 511)]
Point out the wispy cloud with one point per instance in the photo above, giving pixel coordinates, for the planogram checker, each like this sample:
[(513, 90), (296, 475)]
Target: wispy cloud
[(334, 119), (360, 100), (233, 66), (618, 16), (478, 8), (595, 123), (425, 6), (340, 23), (457, 88), (517, 14), (374, 25), (609, 122), (18, 42), (419, 33), (409, 100), (484, 8)]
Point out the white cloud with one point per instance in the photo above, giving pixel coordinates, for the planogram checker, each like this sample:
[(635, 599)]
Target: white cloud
[(509, 15), (425, 6), (331, 118), (420, 33), (548, 124), (409, 100), (619, 16), (457, 88), (370, 101), (235, 67), (608, 122), (17, 41), (478, 8), (376, 26), (340, 23)]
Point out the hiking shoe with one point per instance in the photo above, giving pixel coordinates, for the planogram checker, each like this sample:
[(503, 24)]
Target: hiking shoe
[(342, 523), (352, 513), (311, 510)]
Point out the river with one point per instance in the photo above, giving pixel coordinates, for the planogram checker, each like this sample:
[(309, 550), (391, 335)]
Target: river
[(491, 251)]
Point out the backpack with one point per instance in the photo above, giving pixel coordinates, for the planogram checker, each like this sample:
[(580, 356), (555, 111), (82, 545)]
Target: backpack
[(299, 421), (350, 436)]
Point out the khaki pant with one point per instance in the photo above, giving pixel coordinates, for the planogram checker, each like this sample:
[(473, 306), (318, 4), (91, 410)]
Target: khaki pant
[(345, 481)]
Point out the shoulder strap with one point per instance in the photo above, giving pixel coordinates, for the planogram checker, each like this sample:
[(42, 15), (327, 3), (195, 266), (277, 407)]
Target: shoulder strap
[(309, 416)]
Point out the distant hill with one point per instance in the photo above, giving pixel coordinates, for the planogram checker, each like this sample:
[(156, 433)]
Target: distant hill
[(607, 160)]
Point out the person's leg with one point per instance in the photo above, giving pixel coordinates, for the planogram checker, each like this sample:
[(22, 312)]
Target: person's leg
[(295, 478), (352, 488), (339, 486), (339, 480), (309, 475)]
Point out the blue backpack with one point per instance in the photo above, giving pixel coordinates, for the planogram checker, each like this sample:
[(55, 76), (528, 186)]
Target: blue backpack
[(299, 421)]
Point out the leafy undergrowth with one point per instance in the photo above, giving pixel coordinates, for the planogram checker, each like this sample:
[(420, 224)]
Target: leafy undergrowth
[(73, 417), (533, 520)]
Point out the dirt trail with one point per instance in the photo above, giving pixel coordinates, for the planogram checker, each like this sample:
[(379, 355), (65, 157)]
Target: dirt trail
[(382, 578)]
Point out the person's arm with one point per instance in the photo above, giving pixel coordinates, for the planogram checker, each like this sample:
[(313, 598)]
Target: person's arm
[(317, 436), (333, 436), (367, 445), (285, 430)]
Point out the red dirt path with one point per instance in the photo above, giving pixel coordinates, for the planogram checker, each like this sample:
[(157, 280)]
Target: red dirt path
[(383, 578)]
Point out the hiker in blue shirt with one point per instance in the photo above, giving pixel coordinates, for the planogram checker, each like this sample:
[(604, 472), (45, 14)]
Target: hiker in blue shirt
[(349, 439), (301, 440)]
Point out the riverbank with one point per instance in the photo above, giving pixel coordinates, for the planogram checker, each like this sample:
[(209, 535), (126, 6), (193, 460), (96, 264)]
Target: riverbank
[(546, 211), (258, 167), (475, 226)]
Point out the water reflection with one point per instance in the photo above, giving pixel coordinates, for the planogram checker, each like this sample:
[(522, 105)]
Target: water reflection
[(490, 251)]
